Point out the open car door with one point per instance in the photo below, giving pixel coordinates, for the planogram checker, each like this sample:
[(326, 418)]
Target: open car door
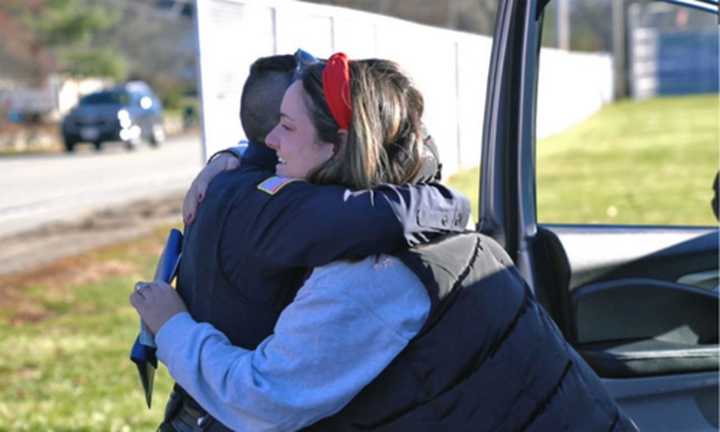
[(639, 302)]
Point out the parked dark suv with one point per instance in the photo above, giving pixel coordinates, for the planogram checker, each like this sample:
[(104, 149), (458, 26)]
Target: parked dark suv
[(127, 113)]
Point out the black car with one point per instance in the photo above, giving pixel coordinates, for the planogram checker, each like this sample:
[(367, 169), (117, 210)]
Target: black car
[(127, 113)]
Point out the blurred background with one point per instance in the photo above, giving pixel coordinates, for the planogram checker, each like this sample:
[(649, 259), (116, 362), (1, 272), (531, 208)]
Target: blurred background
[(54, 52), (101, 132)]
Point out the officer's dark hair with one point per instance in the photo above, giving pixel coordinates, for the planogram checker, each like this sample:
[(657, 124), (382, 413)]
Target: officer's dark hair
[(262, 95), (385, 138)]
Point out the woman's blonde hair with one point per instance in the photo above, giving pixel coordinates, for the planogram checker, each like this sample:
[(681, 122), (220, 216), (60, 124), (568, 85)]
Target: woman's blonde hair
[(384, 140)]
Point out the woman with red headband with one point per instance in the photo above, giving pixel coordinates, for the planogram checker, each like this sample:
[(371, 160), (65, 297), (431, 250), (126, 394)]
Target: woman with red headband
[(362, 119), (445, 337)]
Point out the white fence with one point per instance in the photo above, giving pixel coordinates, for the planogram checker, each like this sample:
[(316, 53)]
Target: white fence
[(449, 67)]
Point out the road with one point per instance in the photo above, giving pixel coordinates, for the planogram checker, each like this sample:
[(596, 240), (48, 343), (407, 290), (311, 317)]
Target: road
[(40, 189)]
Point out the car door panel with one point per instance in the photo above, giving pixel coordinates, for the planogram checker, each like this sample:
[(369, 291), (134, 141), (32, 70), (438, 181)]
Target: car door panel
[(672, 403), (601, 252), (627, 314), (638, 327), (614, 292)]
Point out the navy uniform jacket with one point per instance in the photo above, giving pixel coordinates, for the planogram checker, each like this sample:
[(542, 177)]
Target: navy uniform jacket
[(248, 251)]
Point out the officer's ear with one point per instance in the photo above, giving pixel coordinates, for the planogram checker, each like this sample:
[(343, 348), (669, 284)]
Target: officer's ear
[(342, 140)]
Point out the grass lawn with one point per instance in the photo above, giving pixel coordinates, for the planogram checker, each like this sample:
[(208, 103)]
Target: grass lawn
[(65, 336), (649, 162), (66, 331)]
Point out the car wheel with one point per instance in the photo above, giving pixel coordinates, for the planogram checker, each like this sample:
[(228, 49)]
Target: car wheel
[(97, 145), (157, 135), (69, 145), (131, 145)]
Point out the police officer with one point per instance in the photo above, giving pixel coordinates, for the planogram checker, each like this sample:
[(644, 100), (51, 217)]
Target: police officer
[(280, 228)]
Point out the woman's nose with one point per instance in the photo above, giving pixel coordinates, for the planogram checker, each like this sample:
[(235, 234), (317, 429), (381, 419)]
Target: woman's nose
[(271, 139)]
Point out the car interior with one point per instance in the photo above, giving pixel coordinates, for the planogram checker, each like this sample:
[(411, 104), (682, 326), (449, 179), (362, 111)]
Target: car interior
[(625, 306)]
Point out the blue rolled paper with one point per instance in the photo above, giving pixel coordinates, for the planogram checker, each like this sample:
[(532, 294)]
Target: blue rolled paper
[(143, 350)]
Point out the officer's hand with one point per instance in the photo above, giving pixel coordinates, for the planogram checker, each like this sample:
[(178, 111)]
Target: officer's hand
[(193, 198), (156, 302)]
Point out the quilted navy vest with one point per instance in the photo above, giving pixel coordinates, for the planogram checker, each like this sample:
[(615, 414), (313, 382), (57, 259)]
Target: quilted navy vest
[(489, 358)]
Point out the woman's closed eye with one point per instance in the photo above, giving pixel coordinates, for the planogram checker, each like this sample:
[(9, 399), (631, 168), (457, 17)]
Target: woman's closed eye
[(286, 122)]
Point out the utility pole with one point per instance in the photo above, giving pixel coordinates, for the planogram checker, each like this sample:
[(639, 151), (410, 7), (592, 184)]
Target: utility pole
[(619, 45), (452, 14), (563, 24)]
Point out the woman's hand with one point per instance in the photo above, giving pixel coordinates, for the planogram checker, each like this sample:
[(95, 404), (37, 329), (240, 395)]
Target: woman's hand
[(196, 193), (156, 302)]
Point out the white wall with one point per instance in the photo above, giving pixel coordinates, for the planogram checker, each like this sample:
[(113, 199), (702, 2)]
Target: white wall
[(72, 89), (571, 87), (54, 98), (449, 67)]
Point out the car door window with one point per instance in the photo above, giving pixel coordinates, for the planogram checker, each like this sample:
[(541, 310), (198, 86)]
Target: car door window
[(649, 158)]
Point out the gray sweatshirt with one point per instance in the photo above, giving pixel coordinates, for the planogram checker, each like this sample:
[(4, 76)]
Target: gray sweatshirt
[(346, 324)]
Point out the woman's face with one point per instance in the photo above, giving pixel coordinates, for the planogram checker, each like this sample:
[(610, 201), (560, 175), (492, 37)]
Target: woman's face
[(295, 138)]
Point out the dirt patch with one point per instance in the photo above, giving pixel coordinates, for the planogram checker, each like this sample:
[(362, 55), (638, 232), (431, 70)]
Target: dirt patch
[(56, 280), (60, 255), (30, 250)]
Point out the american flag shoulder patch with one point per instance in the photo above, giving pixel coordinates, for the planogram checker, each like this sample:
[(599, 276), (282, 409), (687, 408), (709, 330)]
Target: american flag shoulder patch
[(274, 184)]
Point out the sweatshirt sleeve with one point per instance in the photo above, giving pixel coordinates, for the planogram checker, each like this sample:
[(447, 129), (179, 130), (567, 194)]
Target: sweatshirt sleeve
[(306, 225), (347, 323)]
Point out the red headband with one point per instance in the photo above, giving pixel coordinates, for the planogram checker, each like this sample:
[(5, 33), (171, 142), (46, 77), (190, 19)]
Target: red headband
[(336, 86)]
